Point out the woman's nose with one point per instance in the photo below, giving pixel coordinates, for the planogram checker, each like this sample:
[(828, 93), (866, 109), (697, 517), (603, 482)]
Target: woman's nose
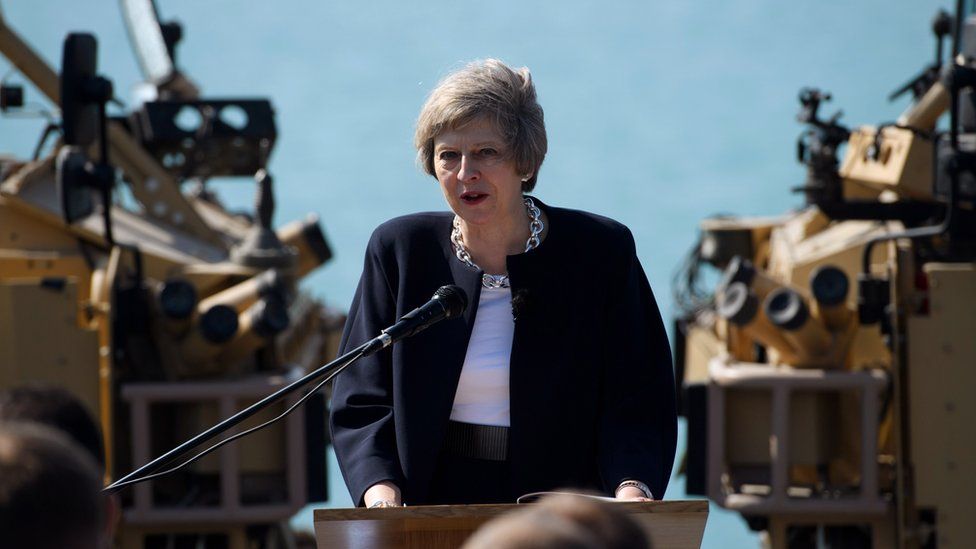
[(468, 170)]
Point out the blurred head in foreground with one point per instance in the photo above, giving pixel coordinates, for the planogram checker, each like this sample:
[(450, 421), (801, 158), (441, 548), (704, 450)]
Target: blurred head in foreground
[(563, 522), (50, 490), (59, 409), (55, 407)]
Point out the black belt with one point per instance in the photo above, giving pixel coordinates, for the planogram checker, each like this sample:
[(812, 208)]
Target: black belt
[(477, 441)]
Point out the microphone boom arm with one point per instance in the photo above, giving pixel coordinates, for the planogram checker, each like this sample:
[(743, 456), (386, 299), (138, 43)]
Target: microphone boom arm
[(331, 369), (448, 302)]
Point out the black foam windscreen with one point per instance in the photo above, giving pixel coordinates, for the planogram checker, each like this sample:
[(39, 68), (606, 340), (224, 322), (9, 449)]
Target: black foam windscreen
[(454, 299)]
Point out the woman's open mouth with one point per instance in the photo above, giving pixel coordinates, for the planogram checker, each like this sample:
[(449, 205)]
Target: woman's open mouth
[(473, 197)]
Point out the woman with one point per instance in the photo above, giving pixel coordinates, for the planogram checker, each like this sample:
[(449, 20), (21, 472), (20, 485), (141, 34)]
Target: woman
[(559, 374)]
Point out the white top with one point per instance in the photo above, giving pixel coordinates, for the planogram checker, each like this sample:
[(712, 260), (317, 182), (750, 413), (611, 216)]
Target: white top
[(482, 392)]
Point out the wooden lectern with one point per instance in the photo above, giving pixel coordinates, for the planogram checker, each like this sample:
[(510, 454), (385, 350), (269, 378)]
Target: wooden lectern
[(671, 524)]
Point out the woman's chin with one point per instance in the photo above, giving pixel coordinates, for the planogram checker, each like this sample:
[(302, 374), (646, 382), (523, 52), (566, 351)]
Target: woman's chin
[(478, 213), (475, 219)]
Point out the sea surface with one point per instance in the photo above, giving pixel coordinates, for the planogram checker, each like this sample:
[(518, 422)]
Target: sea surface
[(659, 113)]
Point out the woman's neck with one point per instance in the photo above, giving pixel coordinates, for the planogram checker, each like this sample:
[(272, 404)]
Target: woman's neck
[(490, 244)]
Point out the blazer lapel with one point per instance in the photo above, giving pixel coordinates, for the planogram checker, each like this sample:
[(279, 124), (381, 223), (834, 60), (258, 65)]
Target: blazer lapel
[(469, 280), (442, 352)]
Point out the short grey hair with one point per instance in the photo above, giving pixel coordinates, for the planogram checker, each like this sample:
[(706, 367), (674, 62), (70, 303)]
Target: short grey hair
[(490, 89)]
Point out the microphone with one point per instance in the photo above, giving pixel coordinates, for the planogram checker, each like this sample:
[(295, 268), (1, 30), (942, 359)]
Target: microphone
[(448, 302)]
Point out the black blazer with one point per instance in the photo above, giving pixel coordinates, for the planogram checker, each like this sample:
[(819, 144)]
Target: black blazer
[(591, 379)]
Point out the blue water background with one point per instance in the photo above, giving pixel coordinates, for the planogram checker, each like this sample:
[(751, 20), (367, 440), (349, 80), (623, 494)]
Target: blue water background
[(659, 113)]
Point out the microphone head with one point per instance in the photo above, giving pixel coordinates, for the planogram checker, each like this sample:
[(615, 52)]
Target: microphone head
[(453, 298)]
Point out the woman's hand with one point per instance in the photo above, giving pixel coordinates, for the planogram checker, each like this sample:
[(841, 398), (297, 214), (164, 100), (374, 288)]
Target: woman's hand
[(630, 493), (633, 490), (383, 494)]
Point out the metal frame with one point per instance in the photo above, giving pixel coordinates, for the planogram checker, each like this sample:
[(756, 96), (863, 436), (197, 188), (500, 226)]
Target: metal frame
[(226, 394), (727, 375)]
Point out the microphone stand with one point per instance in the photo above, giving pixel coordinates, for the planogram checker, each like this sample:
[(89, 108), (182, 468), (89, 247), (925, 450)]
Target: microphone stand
[(330, 370)]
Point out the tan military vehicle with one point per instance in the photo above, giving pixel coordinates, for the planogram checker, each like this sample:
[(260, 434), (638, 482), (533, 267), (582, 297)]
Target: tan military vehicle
[(124, 279), (827, 377)]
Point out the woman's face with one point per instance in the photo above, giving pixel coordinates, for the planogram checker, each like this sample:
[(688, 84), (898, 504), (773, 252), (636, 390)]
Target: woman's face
[(477, 173)]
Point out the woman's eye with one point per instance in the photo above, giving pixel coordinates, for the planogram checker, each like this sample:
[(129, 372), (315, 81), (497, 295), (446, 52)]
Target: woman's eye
[(488, 152), (448, 155)]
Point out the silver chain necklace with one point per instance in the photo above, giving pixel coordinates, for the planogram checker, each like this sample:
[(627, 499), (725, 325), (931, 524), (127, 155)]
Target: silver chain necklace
[(492, 281)]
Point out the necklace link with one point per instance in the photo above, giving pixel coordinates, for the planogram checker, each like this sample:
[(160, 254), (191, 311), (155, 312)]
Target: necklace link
[(495, 281)]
